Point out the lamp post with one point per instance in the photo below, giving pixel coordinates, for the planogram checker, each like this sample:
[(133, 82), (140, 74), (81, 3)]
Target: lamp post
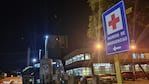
[(39, 54), (133, 48), (34, 60), (46, 43), (98, 47)]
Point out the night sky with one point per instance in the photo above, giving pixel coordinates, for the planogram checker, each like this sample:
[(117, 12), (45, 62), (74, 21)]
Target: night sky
[(23, 24)]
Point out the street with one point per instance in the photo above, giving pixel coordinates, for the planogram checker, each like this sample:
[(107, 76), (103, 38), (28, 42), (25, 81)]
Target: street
[(138, 81)]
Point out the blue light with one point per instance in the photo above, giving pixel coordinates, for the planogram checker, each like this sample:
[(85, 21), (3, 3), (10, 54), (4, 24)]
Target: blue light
[(34, 60), (46, 36)]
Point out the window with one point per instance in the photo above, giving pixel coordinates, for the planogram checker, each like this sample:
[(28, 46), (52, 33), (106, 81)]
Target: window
[(138, 56), (66, 62), (87, 56), (146, 55), (81, 56), (69, 61), (125, 68), (142, 56), (70, 72), (102, 68), (134, 56), (78, 57), (74, 59), (82, 71)]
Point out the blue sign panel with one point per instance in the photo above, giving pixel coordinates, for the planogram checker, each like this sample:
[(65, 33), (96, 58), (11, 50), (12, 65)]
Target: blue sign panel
[(116, 29)]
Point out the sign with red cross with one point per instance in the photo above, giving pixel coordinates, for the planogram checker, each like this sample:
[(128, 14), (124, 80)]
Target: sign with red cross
[(116, 29)]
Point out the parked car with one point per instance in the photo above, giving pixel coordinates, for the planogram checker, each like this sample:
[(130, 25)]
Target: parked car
[(139, 74), (128, 75)]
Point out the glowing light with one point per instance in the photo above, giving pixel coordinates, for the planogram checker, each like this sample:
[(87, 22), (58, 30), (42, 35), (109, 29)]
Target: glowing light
[(98, 46), (46, 36), (34, 60), (133, 47)]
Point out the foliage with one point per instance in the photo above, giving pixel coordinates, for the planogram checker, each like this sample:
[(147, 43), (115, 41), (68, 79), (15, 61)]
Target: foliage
[(95, 30), (93, 4)]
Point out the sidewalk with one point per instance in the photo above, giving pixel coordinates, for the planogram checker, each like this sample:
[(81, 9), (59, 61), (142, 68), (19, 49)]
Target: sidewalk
[(138, 81)]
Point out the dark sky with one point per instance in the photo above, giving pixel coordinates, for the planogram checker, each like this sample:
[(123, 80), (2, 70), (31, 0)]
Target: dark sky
[(23, 24)]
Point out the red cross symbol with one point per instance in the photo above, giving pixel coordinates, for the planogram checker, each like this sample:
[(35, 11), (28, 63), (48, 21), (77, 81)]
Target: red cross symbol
[(114, 21)]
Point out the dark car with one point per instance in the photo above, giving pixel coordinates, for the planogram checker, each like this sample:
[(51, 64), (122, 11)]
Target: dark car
[(128, 75), (139, 74)]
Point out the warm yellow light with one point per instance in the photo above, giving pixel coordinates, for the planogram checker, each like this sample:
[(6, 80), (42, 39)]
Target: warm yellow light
[(133, 47), (98, 46)]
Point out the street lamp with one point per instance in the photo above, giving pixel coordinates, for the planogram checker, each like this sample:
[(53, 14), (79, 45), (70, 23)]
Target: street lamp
[(46, 36), (39, 54), (98, 46), (34, 60), (46, 43), (133, 47)]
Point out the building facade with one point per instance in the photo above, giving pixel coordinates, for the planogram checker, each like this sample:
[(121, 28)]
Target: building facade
[(88, 62)]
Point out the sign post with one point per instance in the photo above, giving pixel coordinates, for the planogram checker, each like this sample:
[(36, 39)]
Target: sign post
[(116, 34), (118, 69)]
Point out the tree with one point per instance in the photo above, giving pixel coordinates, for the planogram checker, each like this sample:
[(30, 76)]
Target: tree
[(137, 18), (95, 30), (93, 21)]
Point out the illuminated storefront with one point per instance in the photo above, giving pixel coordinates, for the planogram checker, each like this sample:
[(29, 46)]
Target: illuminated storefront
[(82, 71), (103, 68), (79, 57), (83, 62)]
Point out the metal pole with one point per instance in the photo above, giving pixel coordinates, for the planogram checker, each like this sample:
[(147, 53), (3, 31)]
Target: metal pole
[(118, 69), (28, 56), (46, 42), (39, 54)]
